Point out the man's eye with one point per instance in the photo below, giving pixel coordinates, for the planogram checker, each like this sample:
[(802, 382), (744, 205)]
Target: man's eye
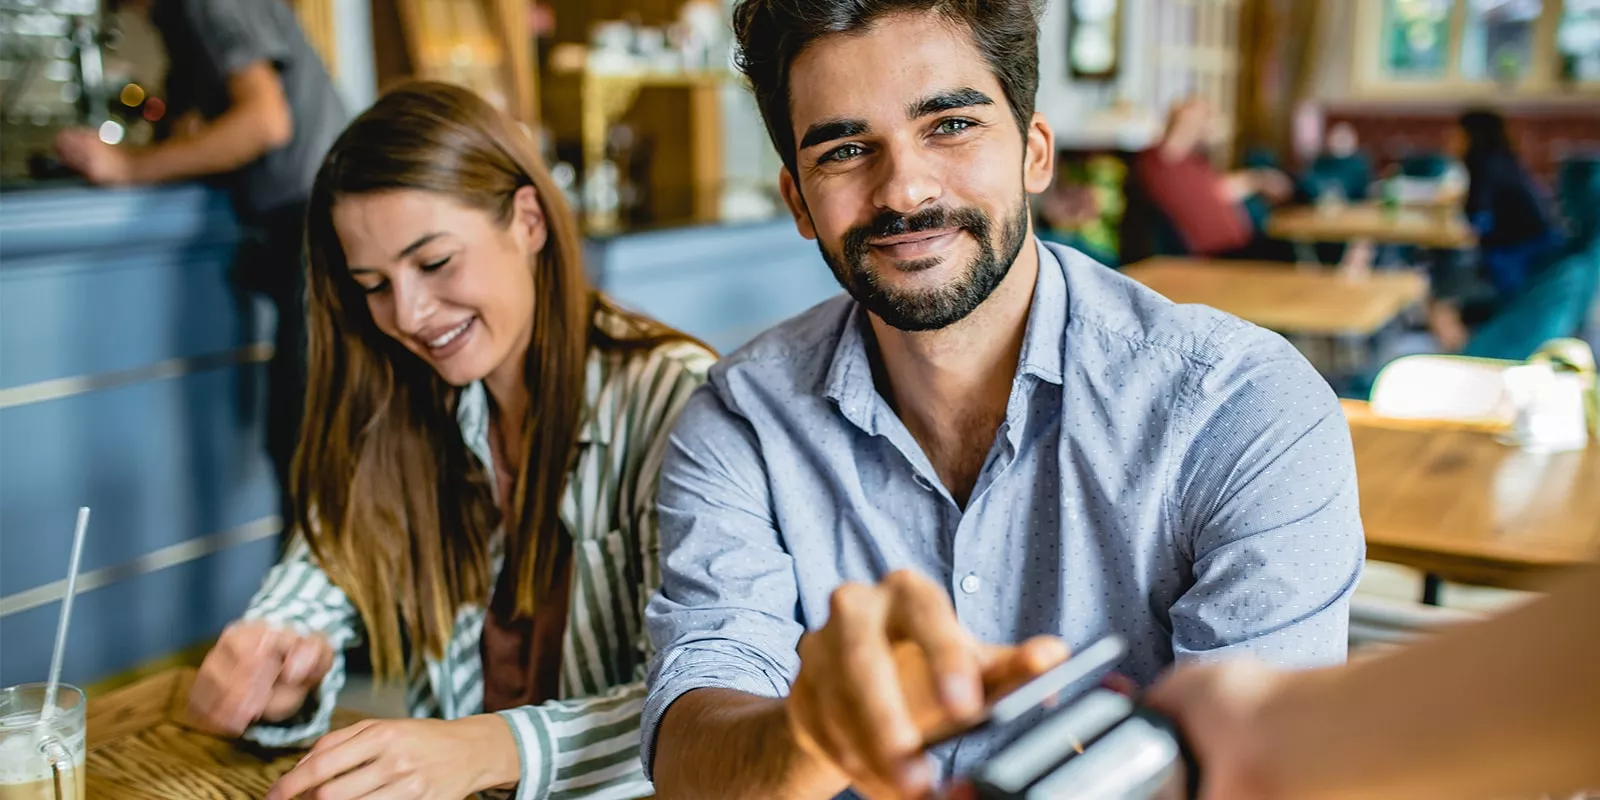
[(843, 153), (953, 126)]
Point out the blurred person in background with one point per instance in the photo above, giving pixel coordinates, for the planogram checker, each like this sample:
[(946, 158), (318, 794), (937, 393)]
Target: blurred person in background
[(1341, 167), (248, 100), (1516, 233), (1207, 207), (1517, 237), (475, 483), (1508, 707)]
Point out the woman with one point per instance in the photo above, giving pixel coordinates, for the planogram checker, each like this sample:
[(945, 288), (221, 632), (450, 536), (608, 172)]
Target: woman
[(1515, 234), (474, 483)]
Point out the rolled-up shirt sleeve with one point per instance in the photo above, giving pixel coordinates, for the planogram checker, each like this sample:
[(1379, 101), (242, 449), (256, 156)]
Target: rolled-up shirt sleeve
[(1267, 496), (726, 613)]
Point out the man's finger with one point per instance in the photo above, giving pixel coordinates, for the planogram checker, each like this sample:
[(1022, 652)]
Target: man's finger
[(867, 692), (1006, 668), (920, 611)]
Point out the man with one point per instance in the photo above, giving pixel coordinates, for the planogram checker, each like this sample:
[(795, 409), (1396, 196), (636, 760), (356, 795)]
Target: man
[(253, 102), (1207, 209), (989, 442)]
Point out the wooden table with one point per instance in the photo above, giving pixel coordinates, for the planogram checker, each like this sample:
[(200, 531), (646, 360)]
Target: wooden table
[(1438, 227), (1282, 298), (140, 748), (1459, 505)]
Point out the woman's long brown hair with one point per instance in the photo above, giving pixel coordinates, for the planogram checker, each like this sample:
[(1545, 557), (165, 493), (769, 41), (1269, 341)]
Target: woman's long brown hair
[(394, 507)]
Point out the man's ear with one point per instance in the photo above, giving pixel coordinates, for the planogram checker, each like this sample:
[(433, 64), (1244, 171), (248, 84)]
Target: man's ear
[(1039, 157)]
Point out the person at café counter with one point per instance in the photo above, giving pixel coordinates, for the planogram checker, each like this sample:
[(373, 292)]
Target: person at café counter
[(475, 484), (252, 102), (989, 450)]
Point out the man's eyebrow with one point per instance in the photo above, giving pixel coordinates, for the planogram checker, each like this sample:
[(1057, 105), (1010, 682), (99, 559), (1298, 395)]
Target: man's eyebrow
[(965, 97), (832, 130)]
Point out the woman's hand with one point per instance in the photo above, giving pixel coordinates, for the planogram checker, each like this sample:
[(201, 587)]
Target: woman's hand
[(406, 759), (257, 671)]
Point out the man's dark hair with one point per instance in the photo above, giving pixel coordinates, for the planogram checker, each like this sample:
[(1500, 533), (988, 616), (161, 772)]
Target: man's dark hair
[(772, 33)]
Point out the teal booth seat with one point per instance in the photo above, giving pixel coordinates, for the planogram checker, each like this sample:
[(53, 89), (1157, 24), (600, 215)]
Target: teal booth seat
[(1352, 175), (1429, 165)]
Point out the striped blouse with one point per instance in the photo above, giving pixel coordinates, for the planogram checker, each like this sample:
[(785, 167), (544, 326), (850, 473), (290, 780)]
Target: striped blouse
[(587, 742)]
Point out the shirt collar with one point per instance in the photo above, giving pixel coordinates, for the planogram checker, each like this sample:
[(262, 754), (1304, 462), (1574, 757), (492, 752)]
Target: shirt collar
[(849, 380), (1045, 337)]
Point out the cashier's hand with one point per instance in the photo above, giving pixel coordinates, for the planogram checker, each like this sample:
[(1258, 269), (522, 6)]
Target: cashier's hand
[(257, 671), (1219, 708), (891, 670), (82, 151), (406, 759)]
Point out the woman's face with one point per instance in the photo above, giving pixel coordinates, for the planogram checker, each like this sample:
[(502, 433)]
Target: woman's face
[(448, 281), (1457, 141)]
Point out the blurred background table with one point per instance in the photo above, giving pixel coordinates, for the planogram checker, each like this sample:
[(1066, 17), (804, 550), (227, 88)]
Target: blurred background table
[(140, 748), (1440, 227), (1459, 505), (1284, 299)]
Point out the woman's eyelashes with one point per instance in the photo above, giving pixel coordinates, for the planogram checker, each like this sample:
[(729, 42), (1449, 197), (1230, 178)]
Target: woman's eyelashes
[(380, 285)]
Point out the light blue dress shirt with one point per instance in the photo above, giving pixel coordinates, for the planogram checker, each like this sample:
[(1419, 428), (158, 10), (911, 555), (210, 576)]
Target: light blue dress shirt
[(1169, 473)]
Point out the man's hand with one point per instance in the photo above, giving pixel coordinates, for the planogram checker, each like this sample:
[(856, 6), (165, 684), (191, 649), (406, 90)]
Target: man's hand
[(892, 669), (82, 151)]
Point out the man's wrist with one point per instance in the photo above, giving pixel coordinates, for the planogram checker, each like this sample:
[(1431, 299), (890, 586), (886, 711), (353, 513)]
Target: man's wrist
[(805, 765)]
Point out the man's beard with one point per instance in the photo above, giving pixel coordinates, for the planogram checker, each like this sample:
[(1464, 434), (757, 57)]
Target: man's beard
[(942, 306)]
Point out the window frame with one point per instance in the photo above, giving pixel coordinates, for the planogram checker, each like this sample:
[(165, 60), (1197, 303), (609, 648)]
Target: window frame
[(1540, 82)]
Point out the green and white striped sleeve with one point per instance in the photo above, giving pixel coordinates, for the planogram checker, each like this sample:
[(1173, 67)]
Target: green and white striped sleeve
[(298, 595), (589, 747), (586, 747)]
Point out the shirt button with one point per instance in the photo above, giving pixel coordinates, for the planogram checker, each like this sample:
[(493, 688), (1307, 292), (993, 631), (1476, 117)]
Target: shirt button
[(926, 484), (971, 584)]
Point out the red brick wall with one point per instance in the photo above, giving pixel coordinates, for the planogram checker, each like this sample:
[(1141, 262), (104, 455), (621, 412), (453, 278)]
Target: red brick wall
[(1543, 138)]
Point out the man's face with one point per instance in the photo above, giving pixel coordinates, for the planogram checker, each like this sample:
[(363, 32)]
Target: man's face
[(911, 173)]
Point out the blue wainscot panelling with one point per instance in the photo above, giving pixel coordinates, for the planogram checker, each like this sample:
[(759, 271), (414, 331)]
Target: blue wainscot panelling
[(159, 462), (723, 284), (97, 281), (131, 382), (137, 620)]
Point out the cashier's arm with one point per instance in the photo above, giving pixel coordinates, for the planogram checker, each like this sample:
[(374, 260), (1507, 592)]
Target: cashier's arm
[(257, 122)]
